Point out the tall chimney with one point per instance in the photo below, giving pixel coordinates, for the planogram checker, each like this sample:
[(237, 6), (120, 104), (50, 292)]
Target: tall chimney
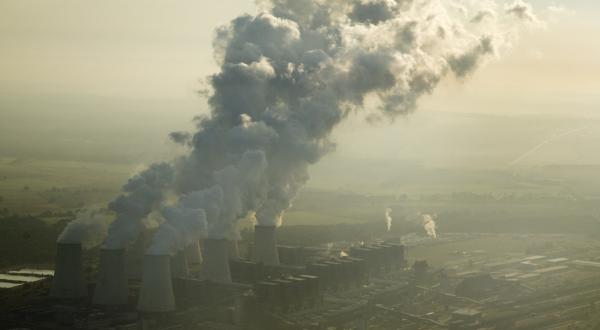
[(193, 253), (265, 245), (156, 292), (179, 265), (216, 260), (68, 282), (111, 286)]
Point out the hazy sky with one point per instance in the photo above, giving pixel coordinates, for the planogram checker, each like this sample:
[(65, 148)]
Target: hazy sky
[(145, 50), (162, 49)]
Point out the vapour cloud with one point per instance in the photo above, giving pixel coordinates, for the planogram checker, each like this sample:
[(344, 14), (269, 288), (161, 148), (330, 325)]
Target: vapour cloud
[(288, 76)]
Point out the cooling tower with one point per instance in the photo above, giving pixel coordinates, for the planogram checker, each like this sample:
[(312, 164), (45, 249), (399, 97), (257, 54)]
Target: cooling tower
[(265, 245), (234, 251), (193, 253), (156, 292), (135, 255), (111, 286), (216, 260), (68, 282), (179, 265)]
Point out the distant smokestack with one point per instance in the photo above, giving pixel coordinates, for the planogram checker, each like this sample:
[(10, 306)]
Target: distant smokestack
[(265, 245), (111, 286), (216, 260), (234, 251), (68, 282), (179, 265), (193, 253), (156, 292)]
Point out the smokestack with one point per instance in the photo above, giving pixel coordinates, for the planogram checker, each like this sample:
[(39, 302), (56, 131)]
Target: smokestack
[(193, 253), (179, 265), (156, 292), (111, 286), (68, 282), (216, 260), (265, 245)]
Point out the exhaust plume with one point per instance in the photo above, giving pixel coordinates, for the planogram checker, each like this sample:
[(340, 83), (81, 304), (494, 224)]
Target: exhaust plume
[(288, 76), (141, 195), (183, 226), (429, 225), (292, 73), (88, 229), (388, 218)]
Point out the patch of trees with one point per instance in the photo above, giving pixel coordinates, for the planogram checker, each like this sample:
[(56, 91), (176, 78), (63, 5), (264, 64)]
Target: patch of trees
[(27, 240)]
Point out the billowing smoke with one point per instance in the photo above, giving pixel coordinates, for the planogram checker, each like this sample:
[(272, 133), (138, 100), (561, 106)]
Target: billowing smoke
[(183, 226), (292, 73), (429, 225), (388, 219), (523, 11), (288, 76), (141, 195), (88, 229)]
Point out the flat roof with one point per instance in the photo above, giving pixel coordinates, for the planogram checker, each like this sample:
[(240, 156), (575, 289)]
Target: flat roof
[(551, 269), (8, 285), (531, 258), (528, 276), (28, 271), (19, 278), (467, 312), (586, 263)]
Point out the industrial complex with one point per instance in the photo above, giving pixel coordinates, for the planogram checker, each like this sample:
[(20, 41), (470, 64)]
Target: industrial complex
[(258, 284)]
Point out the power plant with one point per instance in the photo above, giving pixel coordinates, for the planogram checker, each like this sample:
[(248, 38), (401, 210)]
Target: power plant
[(339, 285)]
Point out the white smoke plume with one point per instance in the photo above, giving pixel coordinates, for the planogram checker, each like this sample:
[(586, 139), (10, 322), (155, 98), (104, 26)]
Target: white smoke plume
[(141, 195), (429, 225), (293, 72), (388, 218), (523, 10), (183, 226), (288, 76), (88, 229)]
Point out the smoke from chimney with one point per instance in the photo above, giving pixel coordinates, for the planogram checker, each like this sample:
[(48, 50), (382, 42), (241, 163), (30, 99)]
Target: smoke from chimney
[(88, 229), (388, 219), (288, 76), (429, 225)]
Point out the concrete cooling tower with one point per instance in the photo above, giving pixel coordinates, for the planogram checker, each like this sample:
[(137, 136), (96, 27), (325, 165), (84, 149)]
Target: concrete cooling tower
[(68, 281), (111, 286), (179, 265), (156, 292), (216, 260), (265, 245), (193, 253)]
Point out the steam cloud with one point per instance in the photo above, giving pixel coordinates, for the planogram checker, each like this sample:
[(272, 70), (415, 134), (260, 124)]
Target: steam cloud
[(388, 218), (141, 194), (88, 229), (429, 225), (287, 77)]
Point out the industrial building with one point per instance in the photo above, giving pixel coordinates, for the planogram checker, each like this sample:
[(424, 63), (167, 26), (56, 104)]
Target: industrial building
[(362, 285)]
